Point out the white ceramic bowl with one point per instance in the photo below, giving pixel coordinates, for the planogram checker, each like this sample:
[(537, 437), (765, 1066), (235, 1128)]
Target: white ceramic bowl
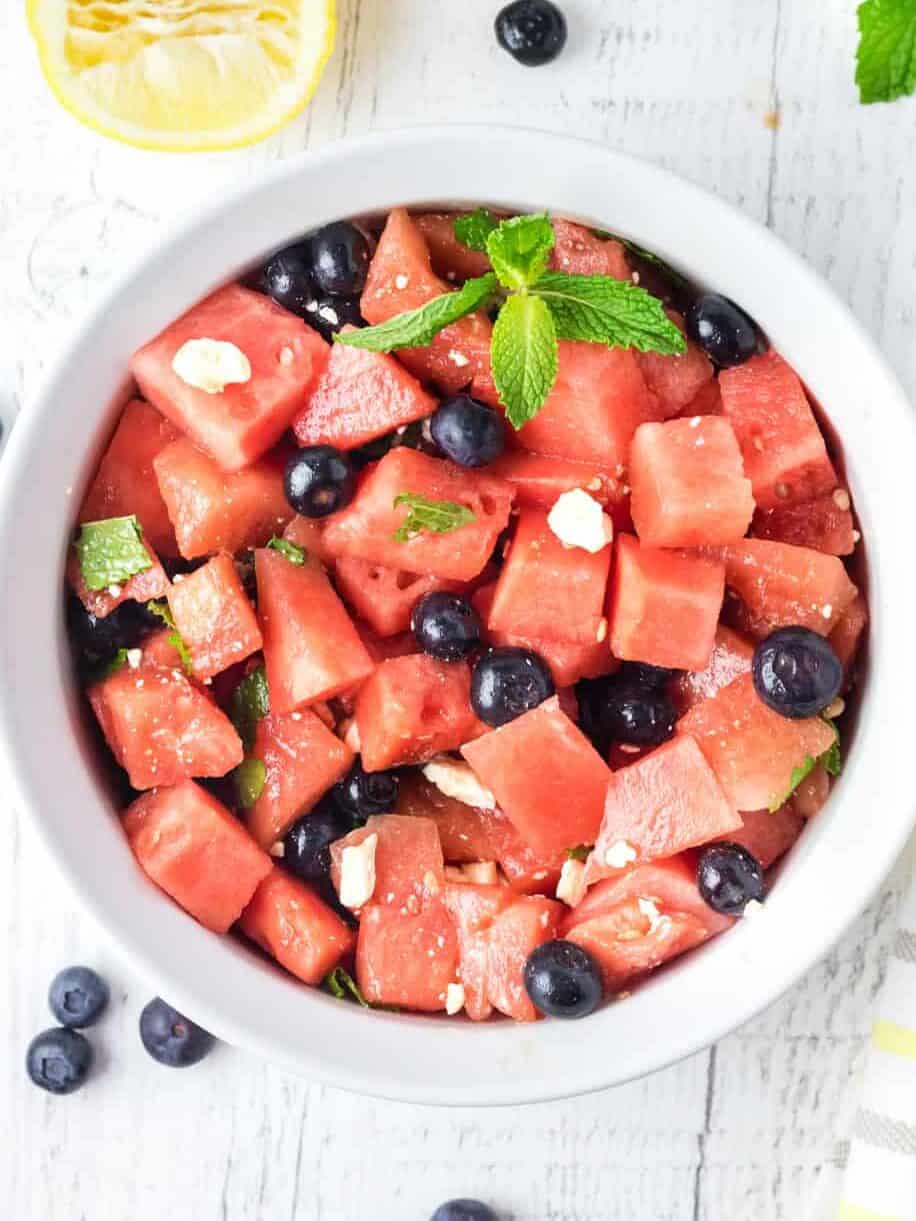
[(832, 872)]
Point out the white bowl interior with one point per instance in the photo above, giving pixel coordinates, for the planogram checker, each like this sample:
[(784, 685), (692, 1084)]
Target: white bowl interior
[(829, 876)]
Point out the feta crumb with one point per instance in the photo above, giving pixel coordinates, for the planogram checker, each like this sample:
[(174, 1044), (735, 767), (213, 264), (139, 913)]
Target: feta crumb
[(827, 610), (211, 365), (286, 357), (278, 848), (753, 908), (401, 281), (620, 854), (134, 657), (357, 873), (115, 591), (454, 999), (578, 520), (455, 779), (177, 578), (295, 716), (458, 358), (328, 314), (649, 909), (571, 886)]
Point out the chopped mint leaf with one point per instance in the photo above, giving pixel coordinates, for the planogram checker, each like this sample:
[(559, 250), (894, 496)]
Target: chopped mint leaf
[(798, 774), (340, 983), (176, 640), (579, 853), (525, 356), (474, 229), (106, 668), (161, 609), (429, 516), (599, 309), (250, 703), (418, 327), (886, 57), (250, 777), (290, 551), (832, 758), (110, 552), (519, 249)]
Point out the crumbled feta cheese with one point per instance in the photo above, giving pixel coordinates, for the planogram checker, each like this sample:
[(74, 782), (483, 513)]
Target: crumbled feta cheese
[(454, 999), (458, 358), (134, 657), (278, 848), (571, 886), (753, 908), (401, 281), (177, 578), (649, 909), (357, 873), (827, 610), (211, 365), (328, 314), (455, 779), (578, 520), (115, 591), (620, 854)]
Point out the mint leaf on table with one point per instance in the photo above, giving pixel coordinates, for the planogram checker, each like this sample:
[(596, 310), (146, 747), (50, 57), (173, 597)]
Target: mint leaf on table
[(886, 57), (418, 327), (110, 552), (473, 229), (524, 357), (250, 703), (597, 309), (290, 551), (519, 249), (161, 609), (340, 983), (250, 777), (429, 516)]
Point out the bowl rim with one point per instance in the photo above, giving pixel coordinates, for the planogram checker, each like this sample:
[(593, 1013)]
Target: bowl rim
[(698, 1000)]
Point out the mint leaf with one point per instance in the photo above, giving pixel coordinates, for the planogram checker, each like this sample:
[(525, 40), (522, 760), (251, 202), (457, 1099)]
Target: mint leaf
[(250, 703), (290, 551), (418, 327), (886, 57), (519, 249), (250, 777), (106, 668), (340, 983), (110, 552), (474, 229), (429, 516), (162, 609), (524, 357), (579, 853), (797, 775), (599, 309), (832, 758)]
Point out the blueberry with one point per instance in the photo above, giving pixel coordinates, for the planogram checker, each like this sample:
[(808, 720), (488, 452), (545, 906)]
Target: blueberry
[(508, 682), (532, 31), (446, 626), (796, 672), (171, 1038), (621, 709), (468, 432), (286, 277), (328, 314), (98, 639), (78, 996), (306, 845), (340, 259), (58, 1060), (464, 1210), (319, 480), (723, 330), (728, 877), (651, 678), (563, 980), (361, 794)]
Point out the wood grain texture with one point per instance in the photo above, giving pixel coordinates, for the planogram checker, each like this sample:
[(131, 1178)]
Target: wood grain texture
[(739, 1134)]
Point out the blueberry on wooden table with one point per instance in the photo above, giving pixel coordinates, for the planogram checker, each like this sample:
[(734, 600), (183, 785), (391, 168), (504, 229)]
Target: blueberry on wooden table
[(446, 626), (468, 431), (58, 1060), (464, 1210), (319, 480), (171, 1038), (78, 996), (723, 330), (796, 672), (532, 31), (563, 980), (729, 877), (508, 682), (361, 794)]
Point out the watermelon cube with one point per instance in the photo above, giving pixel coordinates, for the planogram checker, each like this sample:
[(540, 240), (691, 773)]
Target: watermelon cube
[(240, 423), (688, 484), (287, 920), (540, 805), (214, 617), (406, 960), (413, 708), (473, 908), (358, 397), (549, 591), (308, 533), (847, 634), (706, 401), (383, 597), (514, 934), (311, 648), (302, 758), (124, 483), (811, 794), (143, 586), (666, 801), (578, 251), (732, 654), (785, 456), (676, 380), (781, 585), (366, 529), (768, 834), (409, 867), (451, 260), (194, 850), (825, 524), (211, 511), (664, 606), (539, 479), (161, 728), (753, 750)]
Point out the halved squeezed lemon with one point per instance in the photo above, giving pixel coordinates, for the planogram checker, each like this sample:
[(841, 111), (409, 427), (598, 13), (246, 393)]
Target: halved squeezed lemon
[(183, 75)]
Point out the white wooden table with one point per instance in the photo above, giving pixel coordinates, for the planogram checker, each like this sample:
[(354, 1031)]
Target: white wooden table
[(754, 99)]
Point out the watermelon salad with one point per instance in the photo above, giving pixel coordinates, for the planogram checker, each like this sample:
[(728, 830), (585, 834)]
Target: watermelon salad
[(468, 606)]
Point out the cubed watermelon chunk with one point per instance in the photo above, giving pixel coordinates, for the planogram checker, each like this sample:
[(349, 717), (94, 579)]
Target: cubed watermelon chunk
[(366, 528), (161, 728), (211, 511), (549, 591), (847, 634), (473, 908), (706, 401), (124, 483), (383, 597), (142, 587), (194, 850), (731, 655), (752, 749), (451, 259), (578, 251), (810, 796), (407, 960), (214, 617), (688, 484), (239, 424), (287, 920), (514, 934), (539, 479), (358, 397), (781, 585), (825, 524), (302, 758), (676, 380), (409, 867), (666, 801), (785, 456), (311, 648), (768, 834), (664, 606), (540, 805), (671, 884), (412, 708), (308, 533)]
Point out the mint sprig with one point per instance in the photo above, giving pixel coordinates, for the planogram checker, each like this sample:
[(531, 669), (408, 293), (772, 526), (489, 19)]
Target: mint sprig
[(519, 250), (249, 704), (597, 309), (429, 516), (473, 229), (831, 759), (524, 356), (419, 327), (886, 56), (290, 551), (250, 777), (111, 551), (340, 983)]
